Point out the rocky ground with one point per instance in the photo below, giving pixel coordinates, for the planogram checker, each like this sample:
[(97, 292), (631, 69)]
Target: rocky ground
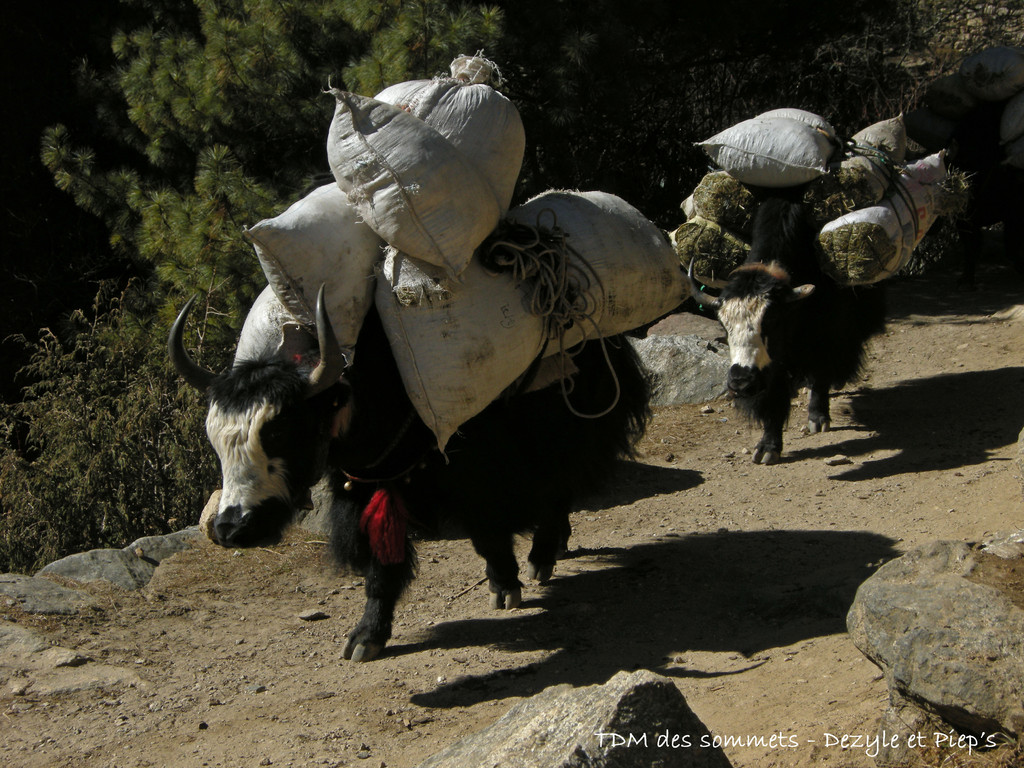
[(730, 578)]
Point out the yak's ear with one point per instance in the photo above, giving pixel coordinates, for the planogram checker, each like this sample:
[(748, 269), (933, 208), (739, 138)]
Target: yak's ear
[(801, 292)]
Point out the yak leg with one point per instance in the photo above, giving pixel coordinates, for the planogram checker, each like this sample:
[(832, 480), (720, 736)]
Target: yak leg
[(818, 417), (384, 585), (773, 414), (550, 538), (502, 569)]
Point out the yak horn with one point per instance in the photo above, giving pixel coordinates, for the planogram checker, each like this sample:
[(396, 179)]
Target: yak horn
[(699, 296), (332, 360), (194, 374)]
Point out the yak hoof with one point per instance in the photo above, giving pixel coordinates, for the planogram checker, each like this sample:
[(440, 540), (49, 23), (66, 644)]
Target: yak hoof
[(506, 600), (813, 427), (762, 456), (540, 573), (362, 651)]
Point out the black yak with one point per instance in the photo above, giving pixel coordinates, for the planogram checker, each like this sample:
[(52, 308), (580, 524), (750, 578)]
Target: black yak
[(280, 424), (789, 325)]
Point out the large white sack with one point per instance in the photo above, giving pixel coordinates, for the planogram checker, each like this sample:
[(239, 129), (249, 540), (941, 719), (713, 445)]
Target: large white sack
[(320, 240), (772, 151), (888, 136), (411, 185), (458, 345), (1011, 124), (995, 73), (918, 198), (632, 271), (483, 124)]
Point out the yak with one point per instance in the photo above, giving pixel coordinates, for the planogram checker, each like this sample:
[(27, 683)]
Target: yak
[(789, 324), (281, 423), (996, 188)]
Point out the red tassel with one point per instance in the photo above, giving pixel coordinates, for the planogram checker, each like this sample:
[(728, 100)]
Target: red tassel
[(383, 521)]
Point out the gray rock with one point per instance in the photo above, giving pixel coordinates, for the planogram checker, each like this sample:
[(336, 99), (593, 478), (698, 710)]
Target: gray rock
[(156, 549), (118, 567), (318, 519), (34, 594), (951, 646), (684, 369), (688, 324), (635, 720)]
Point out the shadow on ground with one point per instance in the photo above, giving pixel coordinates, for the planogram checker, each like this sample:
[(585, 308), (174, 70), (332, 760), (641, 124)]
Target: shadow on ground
[(732, 592)]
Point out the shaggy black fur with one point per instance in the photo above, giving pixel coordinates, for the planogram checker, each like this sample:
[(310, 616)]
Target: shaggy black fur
[(816, 341), (514, 468)]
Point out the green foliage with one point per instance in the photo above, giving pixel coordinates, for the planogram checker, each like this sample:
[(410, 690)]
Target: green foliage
[(110, 448)]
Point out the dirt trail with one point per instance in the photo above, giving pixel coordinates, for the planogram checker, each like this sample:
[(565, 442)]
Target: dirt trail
[(731, 578)]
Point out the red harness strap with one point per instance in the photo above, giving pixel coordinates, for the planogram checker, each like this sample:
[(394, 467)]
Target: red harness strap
[(384, 521)]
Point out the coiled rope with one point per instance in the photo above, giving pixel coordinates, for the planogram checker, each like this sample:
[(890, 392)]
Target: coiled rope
[(560, 285)]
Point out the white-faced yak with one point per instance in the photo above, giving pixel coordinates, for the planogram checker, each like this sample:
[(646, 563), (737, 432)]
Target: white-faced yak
[(789, 325), (278, 425)]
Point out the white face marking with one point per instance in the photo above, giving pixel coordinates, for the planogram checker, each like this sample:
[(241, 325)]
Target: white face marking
[(249, 476), (742, 318)]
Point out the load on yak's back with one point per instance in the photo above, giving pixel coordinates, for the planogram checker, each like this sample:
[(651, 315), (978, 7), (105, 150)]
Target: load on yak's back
[(869, 205), (473, 294)]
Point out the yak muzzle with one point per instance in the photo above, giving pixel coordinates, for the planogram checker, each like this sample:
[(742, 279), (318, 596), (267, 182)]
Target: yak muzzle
[(237, 527), (744, 381)]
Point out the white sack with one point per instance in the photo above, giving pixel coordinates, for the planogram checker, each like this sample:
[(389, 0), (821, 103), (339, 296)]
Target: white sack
[(772, 151), (483, 124), (995, 73), (458, 345), (320, 240), (918, 198), (410, 184), (1011, 125), (888, 136), (635, 272)]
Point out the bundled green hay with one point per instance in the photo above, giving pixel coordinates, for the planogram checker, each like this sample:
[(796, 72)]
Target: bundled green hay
[(857, 183), (724, 199), (956, 189), (714, 251), (863, 247)]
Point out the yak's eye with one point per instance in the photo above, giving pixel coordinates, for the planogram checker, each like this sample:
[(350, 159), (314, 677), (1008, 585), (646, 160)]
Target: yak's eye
[(271, 469)]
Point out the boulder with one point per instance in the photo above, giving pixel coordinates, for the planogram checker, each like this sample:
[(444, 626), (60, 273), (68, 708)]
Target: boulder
[(947, 643), (155, 549), (34, 594), (121, 568), (684, 369), (635, 720)]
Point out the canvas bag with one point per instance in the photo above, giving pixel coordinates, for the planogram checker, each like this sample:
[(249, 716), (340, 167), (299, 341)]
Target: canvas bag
[(320, 240), (776, 149), (458, 344), (479, 121), (410, 184)]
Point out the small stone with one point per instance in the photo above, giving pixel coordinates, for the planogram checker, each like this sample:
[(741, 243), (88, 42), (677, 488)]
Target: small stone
[(707, 409), (313, 614), (836, 461)]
